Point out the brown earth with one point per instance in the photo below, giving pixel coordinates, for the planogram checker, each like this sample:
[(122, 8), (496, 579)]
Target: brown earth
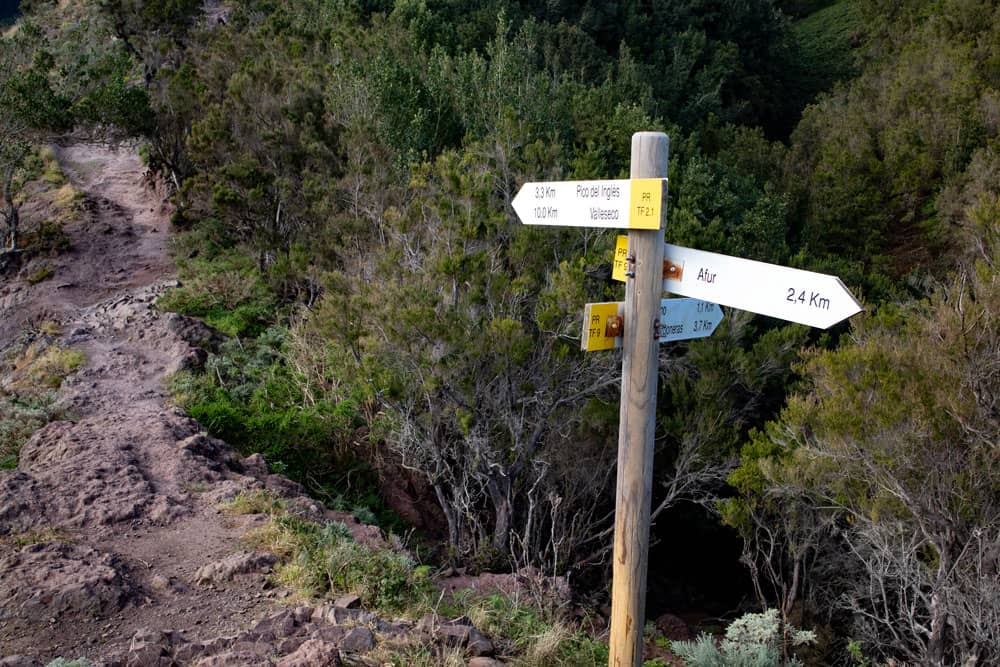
[(112, 546)]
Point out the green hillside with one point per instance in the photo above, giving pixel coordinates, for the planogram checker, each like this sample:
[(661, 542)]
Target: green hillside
[(343, 174)]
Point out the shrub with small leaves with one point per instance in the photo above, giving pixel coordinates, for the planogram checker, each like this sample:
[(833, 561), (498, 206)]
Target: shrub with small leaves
[(753, 640)]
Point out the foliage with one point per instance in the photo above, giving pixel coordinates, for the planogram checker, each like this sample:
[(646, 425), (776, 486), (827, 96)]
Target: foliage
[(753, 640), (531, 630), (35, 536), (20, 417), (325, 561), (56, 74), (27, 400), (31, 107), (827, 42), (43, 272), (375, 192), (260, 501), (869, 159), (346, 170), (250, 398), (893, 441), (223, 287), (41, 366)]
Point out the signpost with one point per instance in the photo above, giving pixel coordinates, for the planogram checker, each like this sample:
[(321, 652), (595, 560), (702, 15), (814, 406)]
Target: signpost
[(648, 267), (624, 203), (679, 319), (815, 299), (684, 319)]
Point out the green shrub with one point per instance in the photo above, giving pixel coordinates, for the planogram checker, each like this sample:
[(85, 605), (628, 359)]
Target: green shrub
[(36, 371), (248, 396), (45, 366), (41, 274), (753, 640), (20, 417), (537, 634), (826, 40), (258, 501), (323, 560), (222, 287)]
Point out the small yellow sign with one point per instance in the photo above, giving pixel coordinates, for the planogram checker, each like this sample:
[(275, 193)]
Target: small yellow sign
[(620, 264), (646, 199), (595, 326)]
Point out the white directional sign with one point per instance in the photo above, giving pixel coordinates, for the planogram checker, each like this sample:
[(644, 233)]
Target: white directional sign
[(624, 203), (815, 299), (683, 319), (679, 319)]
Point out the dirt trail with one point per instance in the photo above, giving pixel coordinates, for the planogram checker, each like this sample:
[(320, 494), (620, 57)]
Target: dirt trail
[(130, 488)]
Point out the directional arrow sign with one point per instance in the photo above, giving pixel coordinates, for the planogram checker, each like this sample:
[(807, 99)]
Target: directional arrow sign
[(680, 319), (815, 299), (625, 203), (683, 319)]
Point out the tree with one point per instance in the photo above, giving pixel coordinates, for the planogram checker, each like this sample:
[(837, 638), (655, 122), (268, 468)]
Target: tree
[(869, 159), (895, 443), (30, 109), (472, 354)]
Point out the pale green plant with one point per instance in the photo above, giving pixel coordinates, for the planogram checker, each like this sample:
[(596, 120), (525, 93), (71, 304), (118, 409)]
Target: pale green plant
[(753, 640)]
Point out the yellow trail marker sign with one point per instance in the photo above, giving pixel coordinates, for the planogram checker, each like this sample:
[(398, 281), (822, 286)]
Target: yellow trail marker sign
[(620, 266), (599, 326)]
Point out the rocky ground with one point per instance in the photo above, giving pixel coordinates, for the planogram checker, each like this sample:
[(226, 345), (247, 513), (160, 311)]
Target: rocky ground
[(113, 545)]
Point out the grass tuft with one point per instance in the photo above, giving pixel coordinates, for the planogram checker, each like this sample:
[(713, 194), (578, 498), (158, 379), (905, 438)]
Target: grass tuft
[(323, 560), (258, 501), (43, 273), (28, 401), (43, 365), (36, 536)]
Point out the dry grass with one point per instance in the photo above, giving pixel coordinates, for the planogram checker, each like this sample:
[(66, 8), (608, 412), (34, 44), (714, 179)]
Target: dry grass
[(272, 538), (50, 328), (40, 366), (258, 501), (36, 536), (409, 651), (41, 274), (65, 197), (545, 647)]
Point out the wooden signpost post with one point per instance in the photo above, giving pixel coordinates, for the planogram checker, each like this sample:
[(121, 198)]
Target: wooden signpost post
[(637, 417), (638, 326)]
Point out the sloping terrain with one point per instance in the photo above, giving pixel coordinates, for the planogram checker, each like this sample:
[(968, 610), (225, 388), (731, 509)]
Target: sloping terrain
[(112, 544)]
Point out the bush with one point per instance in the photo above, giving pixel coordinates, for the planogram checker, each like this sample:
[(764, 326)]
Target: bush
[(753, 640), (40, 366), (221, 286), (323, 560), (536, 632), (34, 372), (41, 274), (251, 398), (20, 417)]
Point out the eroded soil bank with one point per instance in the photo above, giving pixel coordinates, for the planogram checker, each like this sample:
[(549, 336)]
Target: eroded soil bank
[(113, 545)]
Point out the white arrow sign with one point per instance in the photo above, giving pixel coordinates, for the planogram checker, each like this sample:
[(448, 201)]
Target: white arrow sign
[(815, 299), (679, 319), (683, 319), (624, 203)]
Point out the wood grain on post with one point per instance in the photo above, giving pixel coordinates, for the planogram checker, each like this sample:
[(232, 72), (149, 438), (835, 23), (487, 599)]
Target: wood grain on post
[(640, 370)]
